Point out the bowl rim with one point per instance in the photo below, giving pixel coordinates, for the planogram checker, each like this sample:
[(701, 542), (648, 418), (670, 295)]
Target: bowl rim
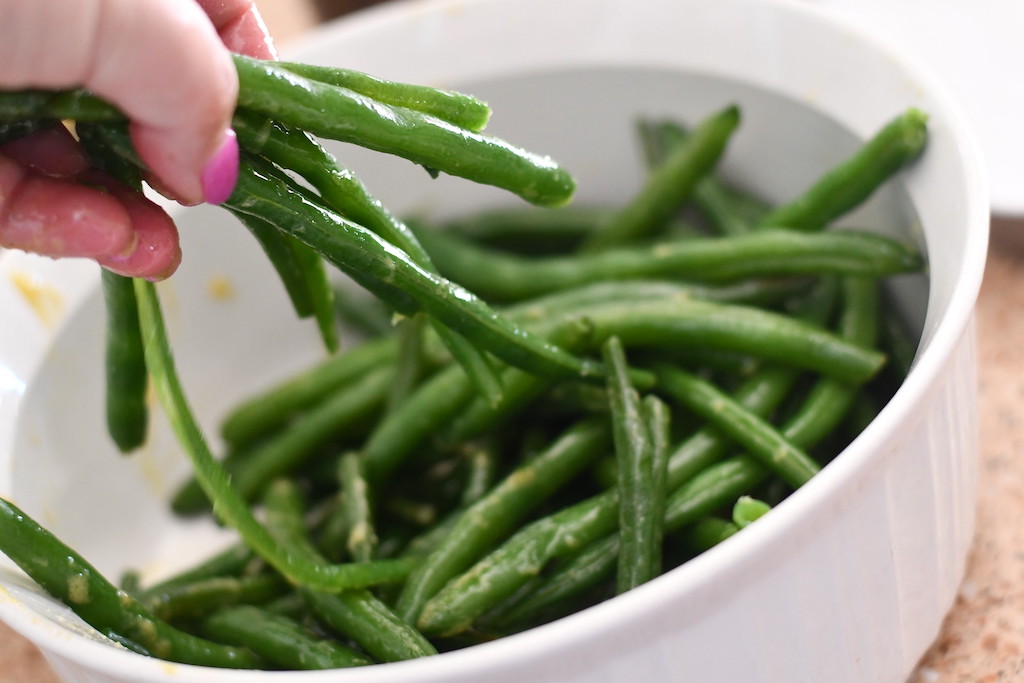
[(696, 574)]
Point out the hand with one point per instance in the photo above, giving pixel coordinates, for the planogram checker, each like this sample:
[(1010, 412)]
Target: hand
[(166, 65)]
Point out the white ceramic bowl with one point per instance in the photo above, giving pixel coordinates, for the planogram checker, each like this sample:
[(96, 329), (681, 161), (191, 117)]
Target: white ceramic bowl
[(847, 580)]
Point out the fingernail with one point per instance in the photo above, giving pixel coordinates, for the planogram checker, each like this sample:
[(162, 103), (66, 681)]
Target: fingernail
[(221, 172)]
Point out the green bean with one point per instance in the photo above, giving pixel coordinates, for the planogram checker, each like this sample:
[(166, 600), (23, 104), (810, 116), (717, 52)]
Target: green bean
[(267, 410), (712, 489), (126, 407), (76, 105), (755, 434), (370, 622), (458, 109), (580, 573), (748, 510), (639, 508), (727, 209), (709, 532), (283, 96), (436, 400), (482, 462), (670, 184), (504, 277), (530, 229), (67, 576), (357, 614), (229, 506), (490, 518), (743, 329), (362, 537), (203, 597), (279, 639), (301, 271), (127, 412), (253, 468), (369, 261), (15, 130), (232, 561), (850, 182), (830, 399)]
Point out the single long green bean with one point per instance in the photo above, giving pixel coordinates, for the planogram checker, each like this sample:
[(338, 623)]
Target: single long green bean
[(269, 409), (756, 332), (458, 109), (126, 407), (229, 506), (670, 184), (186, 601), (755, 434), (504, 277), (301, 271), (850, 182), (67, 576), (639, 509)]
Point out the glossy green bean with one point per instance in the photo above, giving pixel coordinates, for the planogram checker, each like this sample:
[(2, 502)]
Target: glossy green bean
[(755, 434), (504, 277), (458, 109), (267, 410), (670, 184), (126, 378), (67, 576), (850, 182)]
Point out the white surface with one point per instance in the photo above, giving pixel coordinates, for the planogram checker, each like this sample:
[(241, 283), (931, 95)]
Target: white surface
[(847, 580), (976, 49)]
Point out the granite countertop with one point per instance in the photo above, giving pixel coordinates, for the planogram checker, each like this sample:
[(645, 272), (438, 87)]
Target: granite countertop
[(982, 639)]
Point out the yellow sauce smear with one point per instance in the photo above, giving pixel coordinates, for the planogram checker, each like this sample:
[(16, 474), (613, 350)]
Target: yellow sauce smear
[(44, 300), (220, 288)]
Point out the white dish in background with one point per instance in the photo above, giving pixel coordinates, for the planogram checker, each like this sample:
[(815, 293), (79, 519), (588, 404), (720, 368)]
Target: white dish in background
[(846, 580), (976, 49)]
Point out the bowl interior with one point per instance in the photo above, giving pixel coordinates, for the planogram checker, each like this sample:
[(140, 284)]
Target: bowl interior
[(233, 331)]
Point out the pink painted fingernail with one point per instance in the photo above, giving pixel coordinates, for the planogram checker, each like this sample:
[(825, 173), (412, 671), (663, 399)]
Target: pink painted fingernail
[(221, 172)]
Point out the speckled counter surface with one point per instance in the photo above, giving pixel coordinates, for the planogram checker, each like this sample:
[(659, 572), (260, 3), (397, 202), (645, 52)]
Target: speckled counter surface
[(982, 639)]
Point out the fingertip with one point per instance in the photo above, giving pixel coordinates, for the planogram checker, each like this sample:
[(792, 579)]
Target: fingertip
[(221, 172), (156, 252)]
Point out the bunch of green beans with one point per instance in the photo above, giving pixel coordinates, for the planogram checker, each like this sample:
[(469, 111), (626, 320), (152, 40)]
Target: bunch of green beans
[(625, 387)]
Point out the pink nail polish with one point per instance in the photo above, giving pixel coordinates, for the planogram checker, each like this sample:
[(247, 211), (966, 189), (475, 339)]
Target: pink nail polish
[(221, 172)]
